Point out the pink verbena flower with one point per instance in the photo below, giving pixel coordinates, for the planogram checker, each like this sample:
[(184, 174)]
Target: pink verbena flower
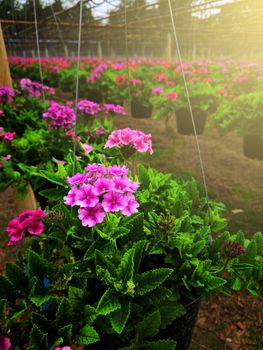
[(28, 221), (120, 80), (59, 116), (124, 137), (64, 348), (34, 88), (103, 190), (87, 148), (172, 95), (157, 91), (8, 135), (7, 94), (111, 108), (5, 343), (89, 107)]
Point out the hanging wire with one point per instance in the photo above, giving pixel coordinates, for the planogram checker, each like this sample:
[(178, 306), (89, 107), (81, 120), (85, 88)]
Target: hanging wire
[(57, 24), (127, 55), (77, 83), (38, 53), (192, 118)]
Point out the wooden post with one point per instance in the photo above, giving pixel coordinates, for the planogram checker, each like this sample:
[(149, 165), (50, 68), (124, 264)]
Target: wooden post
[(168, 54), (46, 52), (5, 77), (99, 50), (66, 50)]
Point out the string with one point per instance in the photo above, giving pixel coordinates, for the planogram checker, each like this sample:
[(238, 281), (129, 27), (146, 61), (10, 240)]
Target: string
[(77, 84), (127, 55), (57, 24), (38, 53), (192, 118)]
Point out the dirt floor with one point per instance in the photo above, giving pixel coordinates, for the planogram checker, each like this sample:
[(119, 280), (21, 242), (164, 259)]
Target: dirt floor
[(234, 323)]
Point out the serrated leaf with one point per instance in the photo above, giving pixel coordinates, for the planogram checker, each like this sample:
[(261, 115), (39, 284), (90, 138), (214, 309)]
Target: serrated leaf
[(37, 265), (158, 295), (76, 296), (90, 314), (40, 300), (64, 313), (87, 335), (108, 303), (105, 270), (16, 276), (143, 176), (120, 317), (138, 246), (170, 312), (150, 280), (126, 267), (160, 345), (53, 194), (7, 289), (54, 178), (66, 333), (44, 324), (38, 338), (150, 325)]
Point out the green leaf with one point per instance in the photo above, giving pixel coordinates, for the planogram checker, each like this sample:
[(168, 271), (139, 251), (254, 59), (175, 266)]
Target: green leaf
[(150, 325), (237, 284), (66, 333), (150, 280), (39, 300), (120, 317), (126, 267), (22, 309), (170, 312), (138, 246), (64, 313), (158, 295), (75, 296), (105, 270), (7, 289), (44, 324), (54, 194), (160, 345), (213, 283), (108, 303), (87, 335), (3, 304), (90, 314), (143, 176), (54, 178), (16, 276), (37, 265), (38, 338)]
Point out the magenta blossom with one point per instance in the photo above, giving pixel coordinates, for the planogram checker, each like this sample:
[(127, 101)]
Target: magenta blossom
[(124, 137), (28, 221), (59, 116), (64, 348), (35, 89), (8, 135), (89, 107), (172, 95), (111, 108), (5, 343), (99, 191), (157, 91)]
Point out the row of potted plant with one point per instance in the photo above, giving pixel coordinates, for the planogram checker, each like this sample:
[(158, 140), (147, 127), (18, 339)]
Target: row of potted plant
[(118, 255)]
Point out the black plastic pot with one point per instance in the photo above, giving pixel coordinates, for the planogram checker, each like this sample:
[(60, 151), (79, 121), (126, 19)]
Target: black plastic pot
[(181, 330), (139, 110), (184, 121), (253, 146)]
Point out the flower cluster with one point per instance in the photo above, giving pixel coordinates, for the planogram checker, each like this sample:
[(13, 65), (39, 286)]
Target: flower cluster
[(157, 91), (59, 116), (127, 137), (7, 94), (232, 249), (33, 88), (100, 190), (7, 135), (172, 95), (28, 221), (111, 108), (120, 80), (5, 158), (64, 348), (89, 107), (96, 73), (5, 343)]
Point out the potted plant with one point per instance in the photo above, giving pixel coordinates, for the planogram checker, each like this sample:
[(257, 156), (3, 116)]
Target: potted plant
[(119, 267), (244, 114)]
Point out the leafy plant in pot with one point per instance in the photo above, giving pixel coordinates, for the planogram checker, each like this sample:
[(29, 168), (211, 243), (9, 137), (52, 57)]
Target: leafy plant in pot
[(204, 100), (244, 114), (115, 277), (141, 106)]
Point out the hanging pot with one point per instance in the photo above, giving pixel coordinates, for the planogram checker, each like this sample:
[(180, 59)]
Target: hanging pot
[(185, 124), (181, 330), (253, 146), (139, 110)]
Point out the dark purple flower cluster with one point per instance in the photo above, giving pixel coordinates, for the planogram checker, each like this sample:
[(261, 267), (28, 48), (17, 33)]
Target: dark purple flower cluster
[(100, 190), (7, 94), (89, 107), (96, 73), (60, 116), (35, 89), (232, 249)]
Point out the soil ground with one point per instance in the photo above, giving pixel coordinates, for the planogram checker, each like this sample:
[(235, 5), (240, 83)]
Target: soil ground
[(234, 323)]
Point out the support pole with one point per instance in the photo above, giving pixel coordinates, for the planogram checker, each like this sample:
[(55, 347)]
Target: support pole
[(5, 77), (99, 50), (66, 50)]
